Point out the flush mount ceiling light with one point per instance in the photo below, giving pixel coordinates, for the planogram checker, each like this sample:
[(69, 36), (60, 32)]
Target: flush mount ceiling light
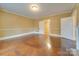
[(34, 7)]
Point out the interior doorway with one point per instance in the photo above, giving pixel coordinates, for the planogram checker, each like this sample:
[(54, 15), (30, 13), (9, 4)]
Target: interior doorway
[(44, 26)]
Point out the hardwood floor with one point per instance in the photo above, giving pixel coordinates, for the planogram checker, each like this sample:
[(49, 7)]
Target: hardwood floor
[(33, 45)]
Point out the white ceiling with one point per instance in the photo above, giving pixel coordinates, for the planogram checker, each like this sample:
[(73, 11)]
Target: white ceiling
[(45, 9)]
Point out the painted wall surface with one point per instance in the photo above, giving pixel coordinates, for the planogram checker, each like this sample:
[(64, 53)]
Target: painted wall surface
[(11, 24), (76, 9), (75, 15), (55, 22)]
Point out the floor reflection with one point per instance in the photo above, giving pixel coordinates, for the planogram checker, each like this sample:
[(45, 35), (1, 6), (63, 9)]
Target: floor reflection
[(38, 45)]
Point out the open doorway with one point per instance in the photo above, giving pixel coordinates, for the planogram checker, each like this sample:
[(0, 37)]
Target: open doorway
[(44, 26)]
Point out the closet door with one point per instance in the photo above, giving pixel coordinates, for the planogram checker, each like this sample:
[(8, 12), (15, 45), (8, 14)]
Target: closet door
[(77, 34), (67, 27), (41, 26)]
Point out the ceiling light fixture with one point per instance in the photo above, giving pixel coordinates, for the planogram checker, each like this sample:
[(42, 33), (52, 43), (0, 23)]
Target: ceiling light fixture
[(34, 7)]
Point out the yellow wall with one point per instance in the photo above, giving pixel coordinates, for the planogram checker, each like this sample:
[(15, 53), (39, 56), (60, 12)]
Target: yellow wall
[(11, 24), (46, 26), (75, 15), (55, 22)]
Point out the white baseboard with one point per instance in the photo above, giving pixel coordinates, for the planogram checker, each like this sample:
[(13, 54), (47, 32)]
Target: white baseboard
[(34, 32), (55, 35), (18, 35), (49, 34)]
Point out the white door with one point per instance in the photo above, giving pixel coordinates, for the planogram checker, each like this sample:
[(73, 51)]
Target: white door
[(77, 34), (67, 27), (41, 26)]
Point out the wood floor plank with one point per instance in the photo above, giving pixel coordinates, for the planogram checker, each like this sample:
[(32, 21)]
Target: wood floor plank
[(32, 45)]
